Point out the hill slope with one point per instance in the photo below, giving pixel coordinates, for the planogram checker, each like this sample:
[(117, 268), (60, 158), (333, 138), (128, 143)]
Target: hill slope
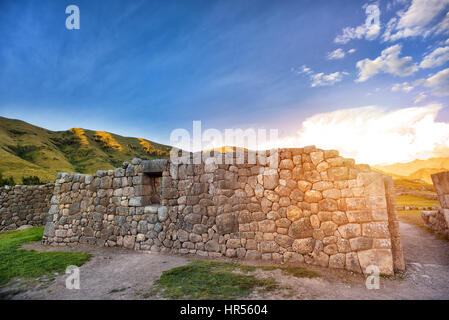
[(30, 150), (417, 169)]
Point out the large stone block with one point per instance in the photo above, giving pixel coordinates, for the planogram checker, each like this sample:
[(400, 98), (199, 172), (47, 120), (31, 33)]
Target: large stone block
[(301, 228), (381, 258), (156, 166), (303, 246), (227, 223)]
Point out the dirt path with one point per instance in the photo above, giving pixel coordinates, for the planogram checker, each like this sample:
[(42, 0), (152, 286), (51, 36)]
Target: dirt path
[(124, 274)]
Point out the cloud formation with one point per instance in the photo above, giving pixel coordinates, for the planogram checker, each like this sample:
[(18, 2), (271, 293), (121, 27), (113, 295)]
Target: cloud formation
[(370, 30), (388, 62), (321, 79), (436, 58), (438, 83), (418, 20), (405, 86), (336, 54), (374, 135)]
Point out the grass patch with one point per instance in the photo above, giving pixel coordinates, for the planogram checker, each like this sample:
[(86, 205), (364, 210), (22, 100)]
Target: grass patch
[(15, 262), (202, 279), (296, 272), (413, 201), (209, 280)]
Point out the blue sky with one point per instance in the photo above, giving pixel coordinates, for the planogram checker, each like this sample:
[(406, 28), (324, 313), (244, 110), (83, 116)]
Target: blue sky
[(144, 68)]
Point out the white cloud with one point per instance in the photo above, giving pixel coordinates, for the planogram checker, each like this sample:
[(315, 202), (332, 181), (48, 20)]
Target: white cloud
[(405, 86), (336, 54), (359, 32), (374, 135), (436, 58), (417, 20), (420, 97), (351, 50), (443, 26), (439, 82), (387, 62), (369, 30), (321, 79)]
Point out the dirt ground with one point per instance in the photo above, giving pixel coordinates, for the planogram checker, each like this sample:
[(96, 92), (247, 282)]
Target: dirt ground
[(125, 274)]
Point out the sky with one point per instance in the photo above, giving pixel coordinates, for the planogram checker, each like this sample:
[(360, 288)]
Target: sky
[(370, 79)]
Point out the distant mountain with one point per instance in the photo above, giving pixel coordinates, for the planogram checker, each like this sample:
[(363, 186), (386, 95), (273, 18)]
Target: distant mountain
[(416, 169), (30, 150)]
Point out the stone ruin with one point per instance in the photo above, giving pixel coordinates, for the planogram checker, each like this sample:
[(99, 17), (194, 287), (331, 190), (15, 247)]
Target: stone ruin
[(24, 205), (313, 206), (438, 220)]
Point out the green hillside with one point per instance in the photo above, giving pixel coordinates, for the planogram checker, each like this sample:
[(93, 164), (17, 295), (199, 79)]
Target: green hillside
[(27, 150)]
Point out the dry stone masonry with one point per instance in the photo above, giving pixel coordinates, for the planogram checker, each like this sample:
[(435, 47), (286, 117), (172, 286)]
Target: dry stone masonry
[(24, 205), (438, 220), (313, 207)]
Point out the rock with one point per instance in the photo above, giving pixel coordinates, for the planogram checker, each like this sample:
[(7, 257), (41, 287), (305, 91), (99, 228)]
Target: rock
[(352, 262), (381, 258), (129, 241), (303, 246), (270, 181), (312, 196), (337, 261), (183, 235), (253, 255), (24, 227), (284, 241), (162, 213), (293, 213), (350, 230), (193, 218), (267, 226), (300, 229), (268, 246), (212, 246), (361, 243), (226, 223)]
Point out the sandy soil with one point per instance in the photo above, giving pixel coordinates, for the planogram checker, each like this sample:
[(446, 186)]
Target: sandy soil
[(125, 274)]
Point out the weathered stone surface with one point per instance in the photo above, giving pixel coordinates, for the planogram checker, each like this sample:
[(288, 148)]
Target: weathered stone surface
[(284, 241), (310, 201), (293, 213), (303, 246), (300, 229), (350, 230), (154, 166), (227, 223), (337, 261), (129, 241), (381, 258)]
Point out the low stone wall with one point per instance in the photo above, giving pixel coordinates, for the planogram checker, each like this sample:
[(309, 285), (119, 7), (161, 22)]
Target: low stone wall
[(438, 220), (310, 206), (24, 205)]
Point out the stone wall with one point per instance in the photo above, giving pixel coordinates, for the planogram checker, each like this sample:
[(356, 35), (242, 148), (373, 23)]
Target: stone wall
[(24, 205), (438, 220), (310, 206)]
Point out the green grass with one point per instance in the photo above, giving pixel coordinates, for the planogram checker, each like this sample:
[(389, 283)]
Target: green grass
[(218, 280), (15, 262), (413, 201), (209, 280)]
